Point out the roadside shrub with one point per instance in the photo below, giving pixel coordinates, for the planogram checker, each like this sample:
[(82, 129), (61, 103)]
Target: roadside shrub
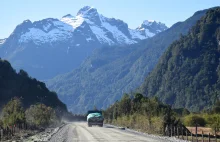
[(192, 119), (40, 115), (13, 112), (213, 121)]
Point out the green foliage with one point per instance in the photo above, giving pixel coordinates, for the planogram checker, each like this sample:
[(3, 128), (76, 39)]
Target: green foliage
[(216, 107), (140, 112), (13, 112), (213, 121), (193, 120), (187, 75), (181, 111), (40, 115), (124, 106), (207, 118)]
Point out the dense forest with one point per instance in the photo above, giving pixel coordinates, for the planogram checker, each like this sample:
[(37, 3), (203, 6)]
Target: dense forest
[(29, 90), (188, 74)]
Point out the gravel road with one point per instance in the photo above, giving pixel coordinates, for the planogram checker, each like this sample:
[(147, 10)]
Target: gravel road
[(80, 132)]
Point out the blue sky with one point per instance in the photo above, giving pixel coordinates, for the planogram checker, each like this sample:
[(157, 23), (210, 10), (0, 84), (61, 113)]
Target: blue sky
[(133, 12)]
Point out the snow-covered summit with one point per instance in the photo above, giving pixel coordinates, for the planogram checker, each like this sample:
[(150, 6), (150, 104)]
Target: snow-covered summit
[(87, 11), (148, 22), (152, 26), (90, 26)]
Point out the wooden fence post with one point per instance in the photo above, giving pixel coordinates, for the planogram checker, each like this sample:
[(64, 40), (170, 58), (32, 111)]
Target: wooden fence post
[(171, 130), (13, 129), (7, 132), (182, 131), (209, 137), (202, 137), (196, 132), (191, 135), (1, 134), (178, 131), (174, 131), (215, 135), (186, 135)]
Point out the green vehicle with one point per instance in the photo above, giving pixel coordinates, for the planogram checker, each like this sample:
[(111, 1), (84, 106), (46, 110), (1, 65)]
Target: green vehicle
[(95, 118)]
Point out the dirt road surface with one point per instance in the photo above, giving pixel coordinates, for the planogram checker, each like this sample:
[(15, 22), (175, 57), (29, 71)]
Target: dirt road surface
[(80, 132)]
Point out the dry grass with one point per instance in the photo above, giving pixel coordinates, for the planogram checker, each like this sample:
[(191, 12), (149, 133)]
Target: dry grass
[(205, 130), (140, 123), (199, 139)]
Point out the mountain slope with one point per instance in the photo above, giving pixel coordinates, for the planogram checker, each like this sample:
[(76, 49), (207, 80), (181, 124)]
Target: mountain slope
[(40, 46), (2, 42), (30, 90), (188, 74), (110, 72)]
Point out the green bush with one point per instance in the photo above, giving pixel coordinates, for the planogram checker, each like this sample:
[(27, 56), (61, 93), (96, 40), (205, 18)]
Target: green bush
[(40, 115), (13, 112), (192, 120), (213, 121)]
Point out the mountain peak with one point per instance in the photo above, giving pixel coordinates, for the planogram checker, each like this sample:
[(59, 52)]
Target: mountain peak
[(151, 22), (153, 26), (148, 22), (27, 21), (87, 11), (68, 16)]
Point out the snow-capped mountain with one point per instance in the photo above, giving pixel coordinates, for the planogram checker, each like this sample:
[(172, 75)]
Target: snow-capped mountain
[(91, 24), (41, 45)]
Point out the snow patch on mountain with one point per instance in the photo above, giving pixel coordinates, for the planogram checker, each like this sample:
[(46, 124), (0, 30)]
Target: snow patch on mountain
[(101, 35), (148, 33), (2, 41), (117, 34), (136, 34), (38, 36), (73, 21), (89, 39), (47, 27)]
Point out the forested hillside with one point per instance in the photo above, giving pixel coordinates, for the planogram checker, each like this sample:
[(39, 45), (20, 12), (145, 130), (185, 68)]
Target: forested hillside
[(28, 89), (188, 74), (110, 72)]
